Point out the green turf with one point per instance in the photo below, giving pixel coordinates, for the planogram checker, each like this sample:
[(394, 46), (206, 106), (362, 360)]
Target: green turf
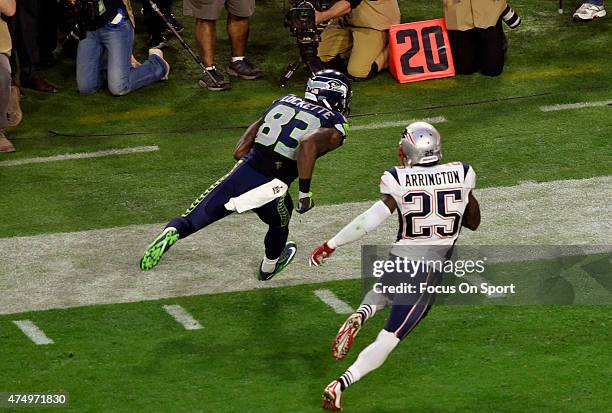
[(269, 350), (550, 60)]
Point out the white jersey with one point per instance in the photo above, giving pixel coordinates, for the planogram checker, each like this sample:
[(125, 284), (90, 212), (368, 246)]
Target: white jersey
[(430, 201)]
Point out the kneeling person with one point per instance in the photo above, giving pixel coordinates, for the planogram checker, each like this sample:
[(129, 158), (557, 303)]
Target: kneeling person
[(280, 146), (358, 35), (105, 54)]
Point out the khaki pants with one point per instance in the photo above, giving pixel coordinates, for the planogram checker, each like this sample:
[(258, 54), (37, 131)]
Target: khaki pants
[(362, 47)]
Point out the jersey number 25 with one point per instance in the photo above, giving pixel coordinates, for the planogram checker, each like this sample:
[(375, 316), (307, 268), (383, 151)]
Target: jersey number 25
[(432, 216)]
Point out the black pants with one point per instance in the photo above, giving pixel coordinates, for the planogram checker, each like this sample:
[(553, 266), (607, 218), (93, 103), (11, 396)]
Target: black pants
[(409, 308), (479, 50), (210, 207), (152, 22), (34, 33)]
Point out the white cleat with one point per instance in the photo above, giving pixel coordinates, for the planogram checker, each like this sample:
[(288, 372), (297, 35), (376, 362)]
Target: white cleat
[(587, 12), (332, 397), (346, 335)]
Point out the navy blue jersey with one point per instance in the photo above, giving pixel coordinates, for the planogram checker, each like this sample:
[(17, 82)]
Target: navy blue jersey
[(285, 122)]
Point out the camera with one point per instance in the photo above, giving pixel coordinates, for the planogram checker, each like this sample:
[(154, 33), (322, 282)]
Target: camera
[(81, 16), (300, 20)]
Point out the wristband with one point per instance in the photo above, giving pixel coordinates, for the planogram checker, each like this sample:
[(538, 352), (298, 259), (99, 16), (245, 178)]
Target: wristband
[(305, 185)]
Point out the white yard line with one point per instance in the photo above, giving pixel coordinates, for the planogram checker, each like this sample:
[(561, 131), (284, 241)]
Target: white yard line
[(336, 304), (101, 266), (83, 155), (33, 332), (182, 317), (396, 123), (578, 105)]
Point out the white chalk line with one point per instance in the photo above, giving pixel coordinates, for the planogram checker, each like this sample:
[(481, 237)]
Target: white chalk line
[(577, 105), (395, 123), (33, 332), (547, 213), (182, 317), (336, 304), (81, 155)]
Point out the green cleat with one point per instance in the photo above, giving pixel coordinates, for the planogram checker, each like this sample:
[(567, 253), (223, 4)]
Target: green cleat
[(284, 260), (157, 248)]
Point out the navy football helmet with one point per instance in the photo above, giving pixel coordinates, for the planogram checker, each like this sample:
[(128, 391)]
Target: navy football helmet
[(331, 89)]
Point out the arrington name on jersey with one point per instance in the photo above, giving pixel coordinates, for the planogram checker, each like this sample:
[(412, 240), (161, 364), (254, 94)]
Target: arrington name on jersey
[(431, 201), (285, 122)]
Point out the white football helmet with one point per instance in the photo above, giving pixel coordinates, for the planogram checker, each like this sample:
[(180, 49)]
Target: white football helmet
[(420, 144)]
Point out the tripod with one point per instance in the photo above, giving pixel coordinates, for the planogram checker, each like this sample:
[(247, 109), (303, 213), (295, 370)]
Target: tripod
[(308, 59), (182, 41)]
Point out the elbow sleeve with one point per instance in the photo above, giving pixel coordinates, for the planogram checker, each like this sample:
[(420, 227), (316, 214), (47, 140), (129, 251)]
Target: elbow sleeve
[(362, 225)]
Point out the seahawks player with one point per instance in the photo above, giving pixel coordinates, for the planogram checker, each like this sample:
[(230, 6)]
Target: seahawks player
[(433, 201), (275, 150)]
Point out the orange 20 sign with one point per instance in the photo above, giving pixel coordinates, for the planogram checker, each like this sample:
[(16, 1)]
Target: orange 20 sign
[(420, 51)]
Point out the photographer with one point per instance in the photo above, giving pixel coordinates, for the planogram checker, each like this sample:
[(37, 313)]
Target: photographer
[(7, 8), (105, 50), (476, 34), (358, 35)]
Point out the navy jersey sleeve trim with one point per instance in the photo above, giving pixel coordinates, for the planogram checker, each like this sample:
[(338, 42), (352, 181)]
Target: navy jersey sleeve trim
[(339, 123), (466, 168), (393, 173)]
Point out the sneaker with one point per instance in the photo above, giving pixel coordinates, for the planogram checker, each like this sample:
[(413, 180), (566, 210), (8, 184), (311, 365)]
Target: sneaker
[(176, 25), (213, 80), (134, 62), (284, 260), (157, 248), (346, 336), (588, 12), (244, 70), (6, 146), (14, 115), (332, 396), (157, 41), (160, 54)]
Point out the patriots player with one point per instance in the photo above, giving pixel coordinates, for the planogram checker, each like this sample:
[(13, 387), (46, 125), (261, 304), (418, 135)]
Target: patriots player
[(275, 150), (433, 201)]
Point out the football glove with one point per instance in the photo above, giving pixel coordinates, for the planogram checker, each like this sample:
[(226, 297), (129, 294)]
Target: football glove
[(320, 254), (305, 203)]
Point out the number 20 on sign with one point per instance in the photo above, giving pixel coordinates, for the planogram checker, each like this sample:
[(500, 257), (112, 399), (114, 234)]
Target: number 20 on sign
[(420, 51)]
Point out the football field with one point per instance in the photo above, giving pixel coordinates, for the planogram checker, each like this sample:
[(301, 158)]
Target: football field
[(95, 178)]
